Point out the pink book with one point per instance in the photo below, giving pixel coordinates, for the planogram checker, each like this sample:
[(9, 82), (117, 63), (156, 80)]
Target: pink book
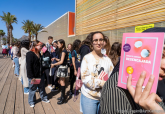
[(44, 49), (140, 52), (103, 76), (37, 81)]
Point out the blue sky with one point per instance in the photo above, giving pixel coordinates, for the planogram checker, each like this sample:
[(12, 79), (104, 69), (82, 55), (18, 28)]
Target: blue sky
[(42, 12)]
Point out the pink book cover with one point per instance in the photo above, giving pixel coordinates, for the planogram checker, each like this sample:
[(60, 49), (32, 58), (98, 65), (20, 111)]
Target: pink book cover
[(140, 52), (44, 49)]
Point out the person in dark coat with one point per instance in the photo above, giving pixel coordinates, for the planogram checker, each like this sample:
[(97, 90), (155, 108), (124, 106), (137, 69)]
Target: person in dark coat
[(54, 55), (34, 73), (47, 58)]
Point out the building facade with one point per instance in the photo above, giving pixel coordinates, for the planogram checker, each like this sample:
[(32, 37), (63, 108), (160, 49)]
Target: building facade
[(61, 28), (112, 17)]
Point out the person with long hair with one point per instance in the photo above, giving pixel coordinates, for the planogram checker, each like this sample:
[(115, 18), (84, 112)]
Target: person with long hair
[(23, 72), (92, 79), (15, 51), (106, 46), (62, 70), (75, 56), (115, 52), (34, 71)]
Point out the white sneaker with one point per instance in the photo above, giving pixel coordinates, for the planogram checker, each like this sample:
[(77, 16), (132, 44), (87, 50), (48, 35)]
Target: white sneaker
[(32, 105), (26, 93), (50, 87), (46, 101)]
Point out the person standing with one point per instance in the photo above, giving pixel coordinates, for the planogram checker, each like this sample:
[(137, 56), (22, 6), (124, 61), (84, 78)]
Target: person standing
[(15, 50), (63, 69), (75, 56), (46, 68), (34, 71), (49, 43), (23, 71), (4, 50), (54, 56), (8, 47), (92, 66)]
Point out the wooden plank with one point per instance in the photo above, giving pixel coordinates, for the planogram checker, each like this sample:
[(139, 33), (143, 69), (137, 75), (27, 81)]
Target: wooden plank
[(5, 76), (2, 63), (3, 67), (38, 106), (74, 105), (47, 107), (19, 102), (53, 101), (27, 108), (4, 94), (65, 108), (10, 103)]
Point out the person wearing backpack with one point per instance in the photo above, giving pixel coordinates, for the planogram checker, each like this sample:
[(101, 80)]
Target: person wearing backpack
[(75, 61)]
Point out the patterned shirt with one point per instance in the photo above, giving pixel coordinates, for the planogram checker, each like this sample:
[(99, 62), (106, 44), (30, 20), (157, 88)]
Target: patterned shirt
[(91, 69)]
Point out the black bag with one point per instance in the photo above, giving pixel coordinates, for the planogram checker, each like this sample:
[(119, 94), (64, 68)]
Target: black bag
[(45, 62)]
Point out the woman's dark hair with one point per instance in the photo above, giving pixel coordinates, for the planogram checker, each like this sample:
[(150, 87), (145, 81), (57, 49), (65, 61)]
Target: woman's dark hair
[(61, 41), (43, 45), (76, 45), (115, 52), (25, 44), (87, 41), (107, 46), (55, 42)]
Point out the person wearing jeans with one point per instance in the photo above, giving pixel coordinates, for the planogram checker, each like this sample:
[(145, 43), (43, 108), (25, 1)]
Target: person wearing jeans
[(34, 71), (15, 50), (33, 88), (16, 70), (94, 66), (89, 105)]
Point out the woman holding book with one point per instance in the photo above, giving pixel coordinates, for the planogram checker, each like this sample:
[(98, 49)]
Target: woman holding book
[(35, 74), (94, 68), (63, 69)]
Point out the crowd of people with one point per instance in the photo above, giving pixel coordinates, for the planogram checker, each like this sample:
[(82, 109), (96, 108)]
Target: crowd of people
[(36, 62)]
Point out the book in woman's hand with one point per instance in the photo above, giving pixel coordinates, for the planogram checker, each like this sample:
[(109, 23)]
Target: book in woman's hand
[(37, 81)]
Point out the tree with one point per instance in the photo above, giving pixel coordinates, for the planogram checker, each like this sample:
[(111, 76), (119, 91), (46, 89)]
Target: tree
[(9, 20), (2, 33), (37, 28), (27, 27), (15, 40), (4, 40)]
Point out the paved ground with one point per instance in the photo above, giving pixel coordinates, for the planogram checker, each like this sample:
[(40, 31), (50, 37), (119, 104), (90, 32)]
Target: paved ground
[(13, 100)]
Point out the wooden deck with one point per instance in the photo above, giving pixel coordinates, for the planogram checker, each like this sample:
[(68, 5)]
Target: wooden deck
[(13, 100)]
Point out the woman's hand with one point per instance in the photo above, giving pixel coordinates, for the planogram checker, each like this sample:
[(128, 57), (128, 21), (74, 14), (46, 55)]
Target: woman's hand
[(53, 59), (145, 99), (33, 80), (52, 65), (75, 72)]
